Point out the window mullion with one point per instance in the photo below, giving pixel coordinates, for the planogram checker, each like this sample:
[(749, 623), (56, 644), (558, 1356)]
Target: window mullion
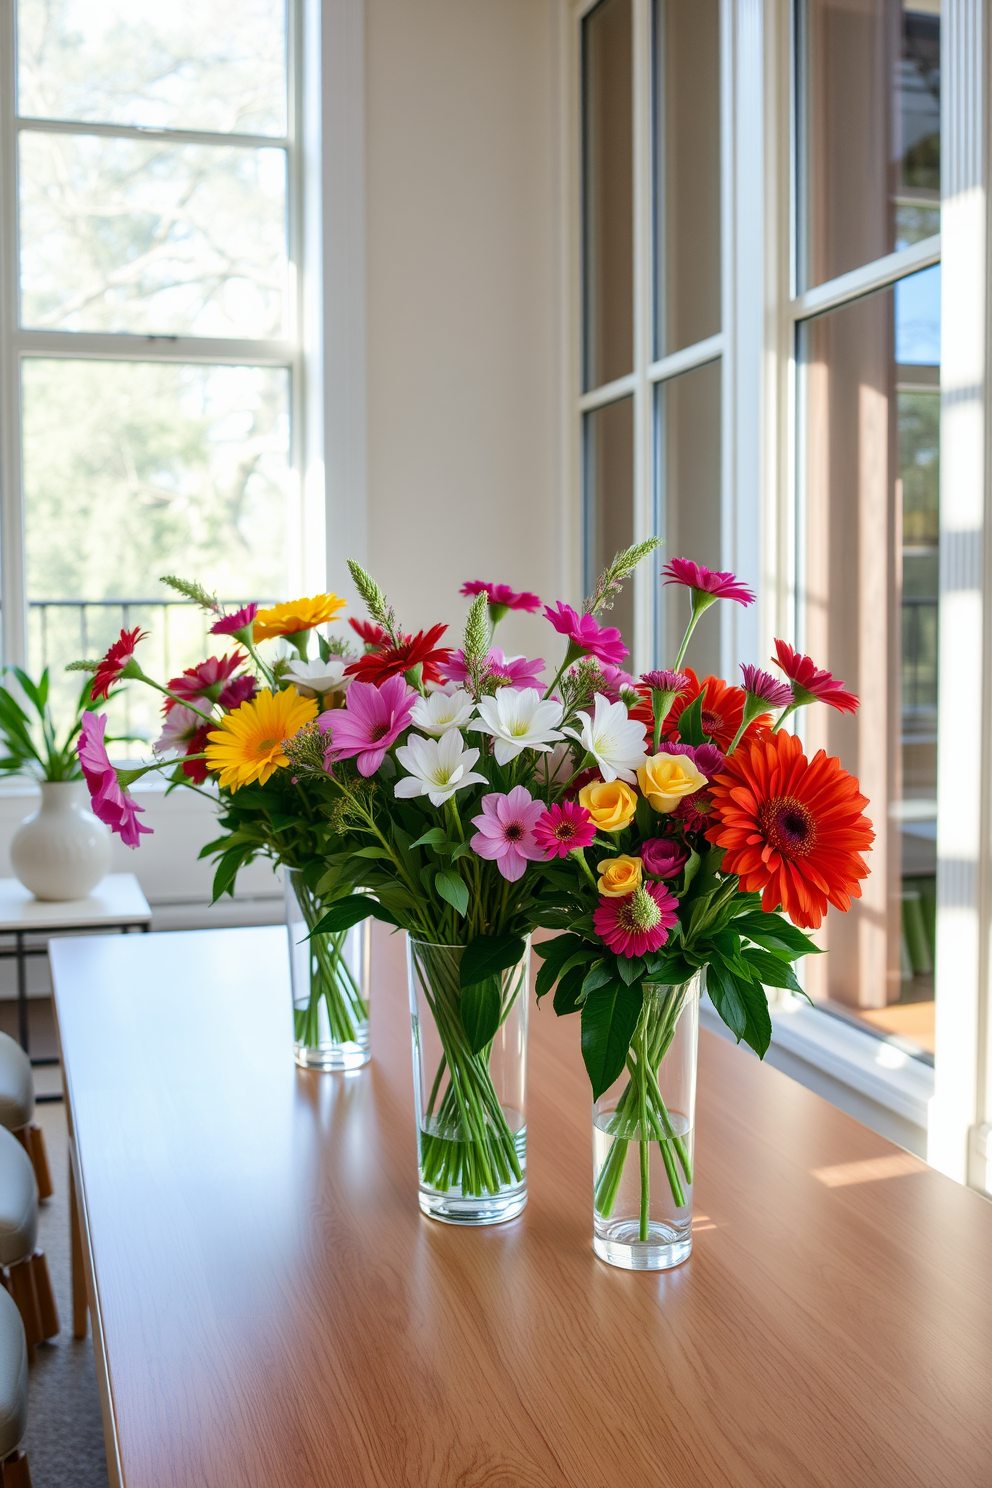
[(12, 576)]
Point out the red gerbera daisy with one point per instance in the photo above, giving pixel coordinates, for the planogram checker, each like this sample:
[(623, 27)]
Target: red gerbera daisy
[(205, 680), (111, 668), (723, 709), (811, 683), (792, 828), (368, 631), (393, 661), (196, 769)]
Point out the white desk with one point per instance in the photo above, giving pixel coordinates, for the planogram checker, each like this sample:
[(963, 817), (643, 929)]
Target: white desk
[(115, 904)]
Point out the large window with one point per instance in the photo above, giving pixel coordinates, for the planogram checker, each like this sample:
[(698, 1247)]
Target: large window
[(150, 320)]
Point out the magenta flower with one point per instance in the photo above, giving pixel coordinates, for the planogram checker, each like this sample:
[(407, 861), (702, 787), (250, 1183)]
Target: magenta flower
[(506, 831), (514, 671), (239, 690), (563, 828), (206, 680), (706, 757), (639, 922), (674, 682), (231, 624), (764, 687), (610, 682), (811, 683), (586, 637), (663, 857), (372, 719), (705, 581), (502, 597), (110, 803)]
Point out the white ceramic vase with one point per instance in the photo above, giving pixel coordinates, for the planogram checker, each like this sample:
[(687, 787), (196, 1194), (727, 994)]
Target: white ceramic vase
[(62, 851)]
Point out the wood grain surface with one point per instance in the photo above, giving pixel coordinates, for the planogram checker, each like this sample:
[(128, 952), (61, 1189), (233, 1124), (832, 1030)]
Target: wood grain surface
[(273, 1309)]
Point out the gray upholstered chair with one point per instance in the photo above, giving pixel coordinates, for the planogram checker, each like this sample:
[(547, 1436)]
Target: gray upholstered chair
[(17, 1109), (25, 1273), (13, 1396)]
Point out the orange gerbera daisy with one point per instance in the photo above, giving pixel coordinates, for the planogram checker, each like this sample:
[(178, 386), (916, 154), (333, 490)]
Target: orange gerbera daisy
[(723, 709), (791, 828), (295, 616)]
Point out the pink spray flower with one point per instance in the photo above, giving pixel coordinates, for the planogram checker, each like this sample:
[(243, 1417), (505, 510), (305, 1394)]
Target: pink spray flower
[(663, 857), (206, 680), (110, 803), (239, 690), (639, 922), (706, 757), (231, 624), (675, 682), (372, 719), (764, 687), (706, 581), (811, 683), (502, 598), (506, 831), (513, 671), (562, 828), (586, 637)]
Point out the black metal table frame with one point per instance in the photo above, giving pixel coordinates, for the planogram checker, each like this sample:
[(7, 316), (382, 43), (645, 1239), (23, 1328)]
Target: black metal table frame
[(20, 952)]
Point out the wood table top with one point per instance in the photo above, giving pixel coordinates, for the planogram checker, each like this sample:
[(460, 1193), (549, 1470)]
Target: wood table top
[(272, 1307)]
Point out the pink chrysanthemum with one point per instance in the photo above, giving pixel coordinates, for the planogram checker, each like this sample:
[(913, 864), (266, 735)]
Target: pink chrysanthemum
[(239, 690), (506, 831), (665, 681), (765, 687), (372, 719), (231, 624), (109, 802), (697, 576), (695, 813), (639, 922), (502, 598), (586, 637), (811, 683), (562, 828)]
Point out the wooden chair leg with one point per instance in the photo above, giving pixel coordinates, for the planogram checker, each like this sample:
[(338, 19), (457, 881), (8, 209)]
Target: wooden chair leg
[(48, 1312), (39, 1160), (20, 1284), (14, 1471), (79, 1303)]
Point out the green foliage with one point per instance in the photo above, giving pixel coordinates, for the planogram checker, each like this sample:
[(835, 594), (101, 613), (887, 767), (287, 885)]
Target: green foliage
[(32, 745), (375, 601), (609, 1018), (612, 579)]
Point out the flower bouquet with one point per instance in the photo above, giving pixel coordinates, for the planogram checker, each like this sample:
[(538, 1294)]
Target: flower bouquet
[(227, 720), (700, 840)]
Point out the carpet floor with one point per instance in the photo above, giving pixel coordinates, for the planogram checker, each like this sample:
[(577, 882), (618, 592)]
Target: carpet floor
[(64, 1441)]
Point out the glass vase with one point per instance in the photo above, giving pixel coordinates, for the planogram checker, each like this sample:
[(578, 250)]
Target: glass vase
[(471, 1125), (329, 976), (643, 1137)]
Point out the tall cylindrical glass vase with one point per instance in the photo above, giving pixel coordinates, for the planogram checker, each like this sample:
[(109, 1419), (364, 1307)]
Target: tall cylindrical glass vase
[(329, 975), (642, 1133), (469, 1078)]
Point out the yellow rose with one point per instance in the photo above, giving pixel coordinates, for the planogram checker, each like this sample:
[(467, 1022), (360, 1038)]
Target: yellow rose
[(619, 877), (666, 778), (611, 806)]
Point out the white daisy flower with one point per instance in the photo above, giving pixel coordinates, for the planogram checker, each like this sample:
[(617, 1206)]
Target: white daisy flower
[(615, 741), (440, 711), (519, 720), (438, 767)]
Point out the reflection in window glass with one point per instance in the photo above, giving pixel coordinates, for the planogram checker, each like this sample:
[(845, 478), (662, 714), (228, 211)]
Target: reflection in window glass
[(687, 161), (688, 433), (609, 500), (871, 183), (607, 193), (871, 616), (131, 235), (187, 64)]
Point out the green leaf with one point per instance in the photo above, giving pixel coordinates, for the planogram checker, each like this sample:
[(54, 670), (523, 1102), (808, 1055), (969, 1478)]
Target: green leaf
[(644, 816), (599, 975), (554, 954), (772, 970), (775, 933), (631, 969), (481, 1007), (488, 955), (609, 1018), (461, 851), (372, 852), (726, 998), (452, 887), (568, 993), (344, 913), (758, 1032), (691, 722), (226, 874), (433, 837)]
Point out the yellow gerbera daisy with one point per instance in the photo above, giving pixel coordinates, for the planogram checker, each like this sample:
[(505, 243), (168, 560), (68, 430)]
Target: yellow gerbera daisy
[(248, 744), (296, 615)]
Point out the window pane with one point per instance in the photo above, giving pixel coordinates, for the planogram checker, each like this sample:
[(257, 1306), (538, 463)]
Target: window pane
[(609, 500), (131, 235), (608, 206), (687, 162), (872, 85), (688, 413), (871, 616), (188, 64)]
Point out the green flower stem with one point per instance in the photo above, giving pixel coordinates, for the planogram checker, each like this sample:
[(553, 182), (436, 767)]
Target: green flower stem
[(331, 980), (700, 601)]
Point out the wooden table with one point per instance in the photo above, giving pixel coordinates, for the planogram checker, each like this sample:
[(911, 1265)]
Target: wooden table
[(271, 1308)]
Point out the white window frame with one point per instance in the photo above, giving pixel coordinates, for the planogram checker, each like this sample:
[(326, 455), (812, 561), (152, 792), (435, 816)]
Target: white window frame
[(945, 1112)]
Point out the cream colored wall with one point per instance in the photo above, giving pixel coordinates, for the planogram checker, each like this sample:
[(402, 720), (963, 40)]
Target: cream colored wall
[(462, 294)]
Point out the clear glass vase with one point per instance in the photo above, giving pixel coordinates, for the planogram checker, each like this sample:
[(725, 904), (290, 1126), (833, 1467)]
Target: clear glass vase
[(329, 975), (642, 1136), (471, 1124)]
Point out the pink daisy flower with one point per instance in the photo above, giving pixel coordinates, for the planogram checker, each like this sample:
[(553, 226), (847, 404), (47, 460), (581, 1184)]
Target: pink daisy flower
[(231, 624), (206, 680), (706, 581), (502, 597), (109, 802), (239, 690), (639, 922), (506, 831), (674, 682), (764, 687), (586, 637), (372, 719), (663, 857), (811, 683), (563, 828)]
